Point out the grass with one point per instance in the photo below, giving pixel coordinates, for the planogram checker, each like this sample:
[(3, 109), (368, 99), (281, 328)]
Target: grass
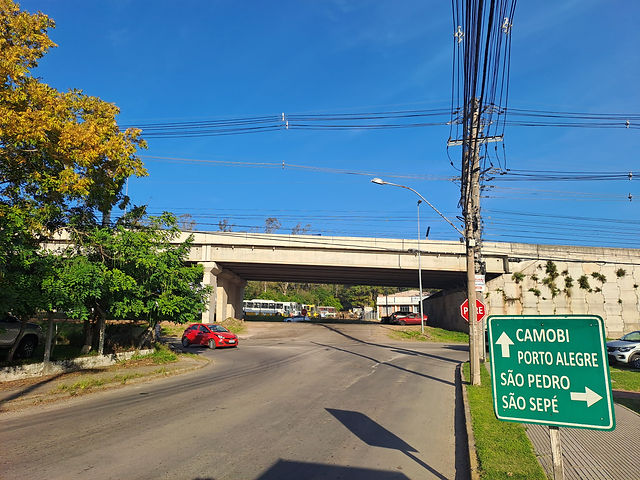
[(234, 325), (161, 355), (629, 380), (169, 329), (431, 334), (87, 384), (503, 448), (625, 379)]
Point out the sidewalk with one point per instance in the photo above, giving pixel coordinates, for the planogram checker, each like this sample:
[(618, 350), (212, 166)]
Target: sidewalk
[(594, 454), (27, 392)]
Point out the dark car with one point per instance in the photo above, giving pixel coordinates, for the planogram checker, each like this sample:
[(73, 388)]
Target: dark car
[(32, 336), (209, 334)]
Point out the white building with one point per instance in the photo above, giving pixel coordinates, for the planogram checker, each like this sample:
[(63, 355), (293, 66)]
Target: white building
[(408, 301)]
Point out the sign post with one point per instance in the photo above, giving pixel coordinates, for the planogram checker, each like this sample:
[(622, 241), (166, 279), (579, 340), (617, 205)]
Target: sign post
[(551, 370)]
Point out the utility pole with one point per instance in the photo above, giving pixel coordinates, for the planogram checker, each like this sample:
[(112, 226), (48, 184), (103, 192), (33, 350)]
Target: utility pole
[(471, 157)]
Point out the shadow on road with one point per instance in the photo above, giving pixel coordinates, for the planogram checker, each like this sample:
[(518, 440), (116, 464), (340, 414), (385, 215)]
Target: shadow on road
[(394, 348), (388, 364), (460, 432), (290, 470), (375, 435)]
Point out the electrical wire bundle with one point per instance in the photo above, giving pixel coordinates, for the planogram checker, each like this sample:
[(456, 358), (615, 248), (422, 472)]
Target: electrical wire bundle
[(384, 120), (481, 58)]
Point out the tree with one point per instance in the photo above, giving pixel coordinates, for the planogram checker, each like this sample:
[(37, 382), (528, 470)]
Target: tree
[(224, 225), (271, 225), (21, 268), (142, 274), (60, 153), (186, 222), (62, 159), (300, 230)]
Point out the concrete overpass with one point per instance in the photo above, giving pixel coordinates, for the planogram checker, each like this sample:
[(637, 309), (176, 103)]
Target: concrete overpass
[(232, 258)]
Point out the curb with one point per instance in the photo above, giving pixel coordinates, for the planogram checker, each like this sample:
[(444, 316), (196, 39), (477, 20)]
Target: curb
[(471, 440)]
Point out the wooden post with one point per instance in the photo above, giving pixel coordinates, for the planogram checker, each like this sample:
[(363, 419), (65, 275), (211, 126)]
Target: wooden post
[(556, 453)]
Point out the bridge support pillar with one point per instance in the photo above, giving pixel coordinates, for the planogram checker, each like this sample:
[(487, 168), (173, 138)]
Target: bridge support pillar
[(226, 296)]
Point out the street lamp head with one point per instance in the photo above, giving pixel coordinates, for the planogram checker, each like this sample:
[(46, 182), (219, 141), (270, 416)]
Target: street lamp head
[(379, 181)]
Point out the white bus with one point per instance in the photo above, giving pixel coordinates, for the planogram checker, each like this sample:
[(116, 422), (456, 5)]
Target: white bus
[(258, 306)]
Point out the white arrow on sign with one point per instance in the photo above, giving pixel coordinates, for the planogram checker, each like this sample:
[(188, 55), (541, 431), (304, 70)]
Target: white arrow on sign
[(505, 342), (588, 396)]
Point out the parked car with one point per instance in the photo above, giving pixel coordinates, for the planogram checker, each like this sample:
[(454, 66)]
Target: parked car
[(625, 350), (297, 318), (404, 318), (412, 318), (31, 338), (211, 335)]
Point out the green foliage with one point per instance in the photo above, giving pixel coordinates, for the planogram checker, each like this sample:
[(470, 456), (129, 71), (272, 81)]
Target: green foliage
[(160, 355), (534, 277), (568, 282), (583, 283), (144, 274), (22, 264), (535, 291), (599, 277), (550, 279), (551, 270), (503, 448), (621, 272), (517, 277)]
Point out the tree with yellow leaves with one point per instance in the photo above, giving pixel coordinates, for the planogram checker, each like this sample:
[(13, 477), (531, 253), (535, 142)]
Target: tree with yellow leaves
[(62, 158), (58, 150)]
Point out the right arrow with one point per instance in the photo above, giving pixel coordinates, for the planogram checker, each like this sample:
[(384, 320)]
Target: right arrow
[(588, 396), (505, 342)]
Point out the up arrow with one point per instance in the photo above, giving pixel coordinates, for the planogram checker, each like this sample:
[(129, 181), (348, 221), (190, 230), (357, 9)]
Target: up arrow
[(588, 396), (505, 342)]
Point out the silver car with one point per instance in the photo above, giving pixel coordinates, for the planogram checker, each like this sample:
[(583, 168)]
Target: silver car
[(297, 318), (625, 350)]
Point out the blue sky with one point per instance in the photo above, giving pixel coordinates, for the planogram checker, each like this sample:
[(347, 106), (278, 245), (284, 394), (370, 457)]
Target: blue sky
[(167, 61)]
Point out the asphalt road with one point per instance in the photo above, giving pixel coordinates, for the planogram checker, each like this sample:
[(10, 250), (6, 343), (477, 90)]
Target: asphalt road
[(294, 401)]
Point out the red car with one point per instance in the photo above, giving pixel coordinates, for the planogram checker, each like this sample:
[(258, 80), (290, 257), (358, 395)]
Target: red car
[(212, 335), (407, 318)]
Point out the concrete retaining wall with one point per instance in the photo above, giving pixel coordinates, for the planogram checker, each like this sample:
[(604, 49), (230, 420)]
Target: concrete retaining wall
[(38, 369), (536, 287)]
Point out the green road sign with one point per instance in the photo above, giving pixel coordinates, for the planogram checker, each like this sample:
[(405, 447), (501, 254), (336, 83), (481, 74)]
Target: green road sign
[(551, 370)]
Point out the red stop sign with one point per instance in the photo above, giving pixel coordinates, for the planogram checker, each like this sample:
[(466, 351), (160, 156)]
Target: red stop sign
[(480, 309)]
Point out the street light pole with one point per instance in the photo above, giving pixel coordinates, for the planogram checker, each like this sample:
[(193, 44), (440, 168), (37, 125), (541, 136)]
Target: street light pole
[(420, 272), (379, 181)]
